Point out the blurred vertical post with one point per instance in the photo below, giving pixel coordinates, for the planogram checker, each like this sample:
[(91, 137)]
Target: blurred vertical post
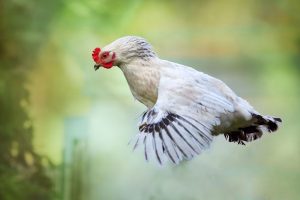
[(74, 159)]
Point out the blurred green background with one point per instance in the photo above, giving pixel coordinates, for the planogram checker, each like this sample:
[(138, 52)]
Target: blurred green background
[(64, 128)]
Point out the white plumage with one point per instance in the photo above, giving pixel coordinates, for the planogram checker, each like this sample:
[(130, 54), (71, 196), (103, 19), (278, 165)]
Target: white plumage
[(186, 108)]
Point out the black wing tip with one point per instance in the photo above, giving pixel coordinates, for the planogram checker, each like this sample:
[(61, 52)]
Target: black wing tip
[(170, 128)]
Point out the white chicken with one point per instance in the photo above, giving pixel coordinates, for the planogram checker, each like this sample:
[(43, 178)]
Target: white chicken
[(186, 108)]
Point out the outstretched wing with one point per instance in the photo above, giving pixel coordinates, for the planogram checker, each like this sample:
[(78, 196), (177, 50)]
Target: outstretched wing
[(179, 126)]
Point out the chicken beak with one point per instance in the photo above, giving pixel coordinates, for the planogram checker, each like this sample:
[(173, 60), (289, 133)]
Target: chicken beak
[(97, 66)]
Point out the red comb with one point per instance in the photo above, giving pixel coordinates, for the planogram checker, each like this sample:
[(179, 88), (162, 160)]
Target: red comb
[(95, 54)]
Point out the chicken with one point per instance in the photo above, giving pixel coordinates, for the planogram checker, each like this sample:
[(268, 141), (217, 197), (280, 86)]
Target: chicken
[(186, 108)]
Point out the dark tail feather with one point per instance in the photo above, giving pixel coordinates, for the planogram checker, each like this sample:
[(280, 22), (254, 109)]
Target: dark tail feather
[(271, 123), (255, 130)]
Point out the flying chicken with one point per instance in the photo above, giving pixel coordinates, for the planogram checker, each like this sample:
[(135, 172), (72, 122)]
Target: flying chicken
[(186, 108)]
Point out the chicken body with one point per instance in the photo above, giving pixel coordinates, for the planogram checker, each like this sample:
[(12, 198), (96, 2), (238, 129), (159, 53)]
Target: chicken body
[(186, 108), (144, 86)]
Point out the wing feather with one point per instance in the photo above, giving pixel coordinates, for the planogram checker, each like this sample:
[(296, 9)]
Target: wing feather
[(180, 124)]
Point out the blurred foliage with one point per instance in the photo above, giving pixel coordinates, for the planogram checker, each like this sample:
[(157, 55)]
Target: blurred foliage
[(50, 95), (23, 171)]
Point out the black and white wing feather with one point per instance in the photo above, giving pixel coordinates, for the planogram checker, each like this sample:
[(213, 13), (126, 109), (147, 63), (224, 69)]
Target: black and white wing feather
[(166, 134)]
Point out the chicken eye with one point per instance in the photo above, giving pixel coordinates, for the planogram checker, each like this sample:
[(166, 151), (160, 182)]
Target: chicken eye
[(104, 55)]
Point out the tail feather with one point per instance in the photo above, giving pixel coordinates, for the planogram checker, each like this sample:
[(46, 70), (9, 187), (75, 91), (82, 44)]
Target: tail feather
[(271, 123), (255, 130)]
